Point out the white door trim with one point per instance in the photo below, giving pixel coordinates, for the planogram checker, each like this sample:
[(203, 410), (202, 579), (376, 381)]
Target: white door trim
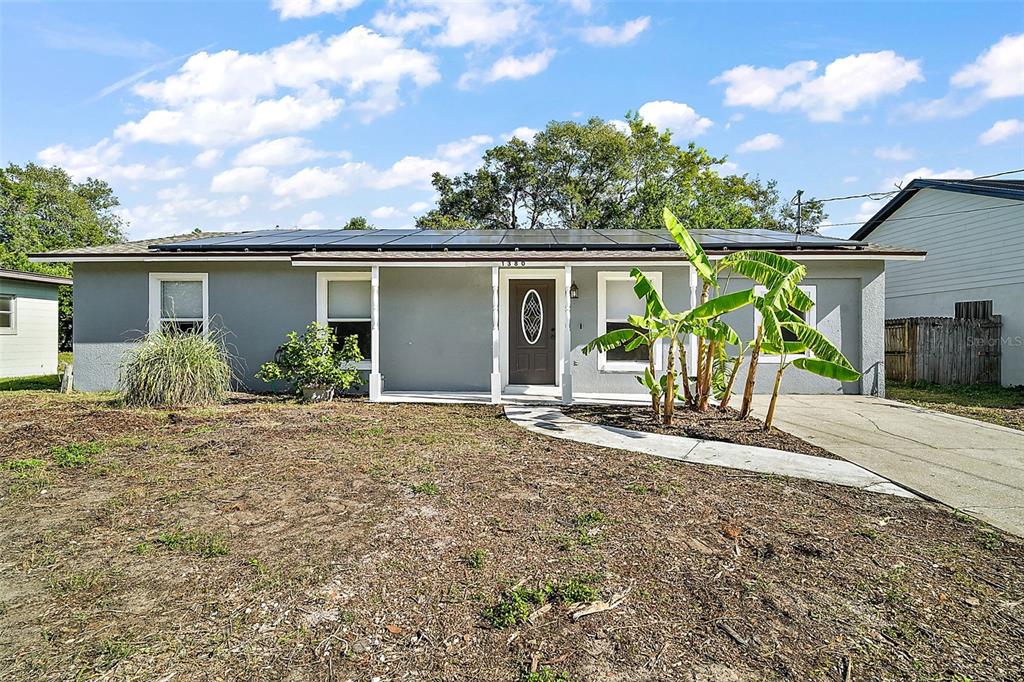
[(557, 275)]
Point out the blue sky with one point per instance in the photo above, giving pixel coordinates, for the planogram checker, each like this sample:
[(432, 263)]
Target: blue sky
[(245, 115)]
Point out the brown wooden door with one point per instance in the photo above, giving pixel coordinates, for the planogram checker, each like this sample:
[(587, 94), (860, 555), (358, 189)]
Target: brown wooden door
[(531, 324)]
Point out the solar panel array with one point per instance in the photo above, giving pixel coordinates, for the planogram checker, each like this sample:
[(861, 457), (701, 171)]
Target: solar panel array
[(492, 240)]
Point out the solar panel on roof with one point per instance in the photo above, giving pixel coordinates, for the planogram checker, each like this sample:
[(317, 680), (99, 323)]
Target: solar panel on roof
[(478, 238), (581, 238), (638, 238)]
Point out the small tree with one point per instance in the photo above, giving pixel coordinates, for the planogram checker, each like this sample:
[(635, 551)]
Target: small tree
[(314, 359)]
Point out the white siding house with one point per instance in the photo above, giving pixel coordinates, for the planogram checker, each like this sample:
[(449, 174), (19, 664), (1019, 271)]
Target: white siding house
[(973, 231), (28, 323)]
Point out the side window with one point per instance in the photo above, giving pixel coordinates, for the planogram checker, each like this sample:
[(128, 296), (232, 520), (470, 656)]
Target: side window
[(8, 314), (178, 302), (343, 303), (616, 301)]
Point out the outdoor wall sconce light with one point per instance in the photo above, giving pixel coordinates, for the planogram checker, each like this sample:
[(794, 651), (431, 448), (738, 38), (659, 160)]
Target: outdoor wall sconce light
[(574, 291)]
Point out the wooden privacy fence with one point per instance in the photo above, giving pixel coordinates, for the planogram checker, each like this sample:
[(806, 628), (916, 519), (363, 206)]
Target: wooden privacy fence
[(943, 350)]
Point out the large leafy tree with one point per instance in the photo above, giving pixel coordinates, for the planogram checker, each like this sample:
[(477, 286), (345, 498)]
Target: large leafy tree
[(42, 209), (599, 175)]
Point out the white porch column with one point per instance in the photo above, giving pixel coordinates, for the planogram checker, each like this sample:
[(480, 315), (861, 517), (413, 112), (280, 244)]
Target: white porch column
[(567, 340), (375, 379), (495, 340)]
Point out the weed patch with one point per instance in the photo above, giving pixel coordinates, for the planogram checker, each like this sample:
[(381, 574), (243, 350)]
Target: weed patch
[(205, 545), (474, 559), (75, 454), (428, 488), (516, 604), (23, 464)]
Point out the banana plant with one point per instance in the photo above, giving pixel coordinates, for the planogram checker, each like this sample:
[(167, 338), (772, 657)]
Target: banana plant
[(825, 358)]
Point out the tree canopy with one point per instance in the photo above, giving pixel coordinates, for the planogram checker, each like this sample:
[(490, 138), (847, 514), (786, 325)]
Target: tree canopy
[(43, 209), (599, 175)]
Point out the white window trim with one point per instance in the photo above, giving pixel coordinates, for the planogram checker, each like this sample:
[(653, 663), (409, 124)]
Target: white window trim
[(322, 279), (156, 278), (622, 366), (810, 317), (13, 329)]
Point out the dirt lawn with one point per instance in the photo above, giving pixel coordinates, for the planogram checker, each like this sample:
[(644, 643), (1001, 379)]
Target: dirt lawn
[(269, 540)]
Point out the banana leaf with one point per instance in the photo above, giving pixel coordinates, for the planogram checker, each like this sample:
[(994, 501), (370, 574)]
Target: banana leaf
[(824, 368), (694, 253), (816, 343), (772, 330), (644, 290), (718, 332), (722, 304), (610, 341)]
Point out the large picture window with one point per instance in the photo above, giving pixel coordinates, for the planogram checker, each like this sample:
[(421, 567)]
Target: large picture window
[(810, 317), (343, 303), (178, 302), (616, 301), (8, 314)]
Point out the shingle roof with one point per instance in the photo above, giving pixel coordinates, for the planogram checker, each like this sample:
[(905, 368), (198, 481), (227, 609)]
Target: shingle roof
[(1002, 189), (34, 277)]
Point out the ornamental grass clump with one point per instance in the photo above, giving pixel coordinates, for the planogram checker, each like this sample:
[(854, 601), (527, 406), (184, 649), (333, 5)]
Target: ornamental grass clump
[(176, 368)]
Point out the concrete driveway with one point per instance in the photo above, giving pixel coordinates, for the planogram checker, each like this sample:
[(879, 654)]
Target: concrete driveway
[(973, 466)]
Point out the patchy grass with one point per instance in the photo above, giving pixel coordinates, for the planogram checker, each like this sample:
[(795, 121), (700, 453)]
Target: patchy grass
[(75, 454), (44, 382), (986, 402), (263, 539), (427, 488)]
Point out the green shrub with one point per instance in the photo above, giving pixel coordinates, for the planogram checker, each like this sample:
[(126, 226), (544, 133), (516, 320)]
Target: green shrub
[(185, 368), (314, 359), (75, 454)]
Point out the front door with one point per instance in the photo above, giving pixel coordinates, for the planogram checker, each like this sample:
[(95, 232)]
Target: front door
[(531, 326)]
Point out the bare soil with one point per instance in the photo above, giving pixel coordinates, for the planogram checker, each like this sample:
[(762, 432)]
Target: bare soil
[(350, 541), (723, 425)]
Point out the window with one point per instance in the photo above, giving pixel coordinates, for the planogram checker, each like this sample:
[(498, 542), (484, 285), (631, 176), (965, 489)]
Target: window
[(8, 314), (616, 301), (810, 317), (178, 302), (343, 303)]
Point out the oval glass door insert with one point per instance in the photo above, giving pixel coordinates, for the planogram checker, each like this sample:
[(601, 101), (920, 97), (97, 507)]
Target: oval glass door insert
[(532, 316)]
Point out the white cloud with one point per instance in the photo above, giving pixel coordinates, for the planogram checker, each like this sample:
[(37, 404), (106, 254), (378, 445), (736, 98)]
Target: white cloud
[(680, 118), (509, 67), (384, 212), (620, 125), (311, 219), (1002, 130), (241, 179), (925, 172), (480, 23), (725, 168), (867, 209), (895, 153), (761, 143), (178, 211), (418, 206), (845, 85), (998, 71), (228, 96), (581, 6), (316, 182), (281, 151), (612, 36), (398, 24), (524, 133), (101, 161), (464, 147), (300, 9), (208, 158), (849, 179)]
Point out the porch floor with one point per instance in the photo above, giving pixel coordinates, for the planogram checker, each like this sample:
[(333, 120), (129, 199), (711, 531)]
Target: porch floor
[(509, 397)]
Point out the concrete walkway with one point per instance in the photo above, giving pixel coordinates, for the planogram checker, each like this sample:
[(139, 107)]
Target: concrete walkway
[(970, 465), (552, 422)]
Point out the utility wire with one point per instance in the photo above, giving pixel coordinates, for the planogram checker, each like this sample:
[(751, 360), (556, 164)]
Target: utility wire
[(878, 196)]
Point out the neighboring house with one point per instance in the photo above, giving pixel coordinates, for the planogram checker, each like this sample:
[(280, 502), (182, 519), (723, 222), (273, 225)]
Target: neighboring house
[(973, 231), (28, 323), (479, 313)]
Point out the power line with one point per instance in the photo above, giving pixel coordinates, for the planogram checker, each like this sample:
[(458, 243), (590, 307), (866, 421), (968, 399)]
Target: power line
[(930, 215), (878, 196), (996, 175)]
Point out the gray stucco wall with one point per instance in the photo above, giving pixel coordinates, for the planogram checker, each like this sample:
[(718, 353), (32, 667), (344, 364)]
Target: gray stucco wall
[(435, 323), (435, 329)]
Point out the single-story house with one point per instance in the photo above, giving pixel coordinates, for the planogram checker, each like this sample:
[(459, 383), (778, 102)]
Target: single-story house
[(28, 323), (476, 313), (973, 231)]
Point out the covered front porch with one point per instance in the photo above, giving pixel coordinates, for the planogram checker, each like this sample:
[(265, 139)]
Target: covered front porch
[(491, 332)]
